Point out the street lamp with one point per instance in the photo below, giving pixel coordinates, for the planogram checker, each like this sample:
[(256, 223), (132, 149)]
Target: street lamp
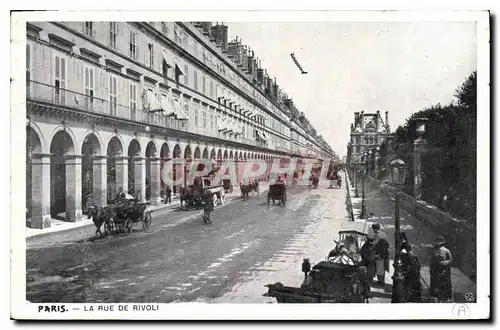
[(356, 172), (363, 204), (398, 173)]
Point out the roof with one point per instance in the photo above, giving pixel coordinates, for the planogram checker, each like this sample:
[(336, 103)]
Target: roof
[(358, 227)]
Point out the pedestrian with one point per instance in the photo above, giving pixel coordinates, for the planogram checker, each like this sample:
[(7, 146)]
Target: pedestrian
[(405, 244), (440, 271), (412, 282), (381, 254), (368, 261), (168, 195)]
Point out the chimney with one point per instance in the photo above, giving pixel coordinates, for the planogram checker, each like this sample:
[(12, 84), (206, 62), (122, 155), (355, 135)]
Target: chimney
[(219, 33), (356, 118), (377, 120), (361, 121), (387, 121)]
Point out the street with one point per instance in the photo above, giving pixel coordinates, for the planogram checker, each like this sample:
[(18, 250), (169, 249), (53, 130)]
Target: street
[(247, 246)]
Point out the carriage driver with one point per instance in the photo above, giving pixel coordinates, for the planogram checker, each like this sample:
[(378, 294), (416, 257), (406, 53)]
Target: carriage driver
[(120, 196)]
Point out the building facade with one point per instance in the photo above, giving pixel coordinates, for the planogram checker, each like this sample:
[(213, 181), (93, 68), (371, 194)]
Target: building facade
[(109, 102), (368, 131)]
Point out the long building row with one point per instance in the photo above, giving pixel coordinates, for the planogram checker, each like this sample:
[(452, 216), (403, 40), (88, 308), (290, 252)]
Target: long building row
[(109, 102)]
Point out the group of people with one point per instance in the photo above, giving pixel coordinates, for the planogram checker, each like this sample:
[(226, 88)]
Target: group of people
[(375, 258)]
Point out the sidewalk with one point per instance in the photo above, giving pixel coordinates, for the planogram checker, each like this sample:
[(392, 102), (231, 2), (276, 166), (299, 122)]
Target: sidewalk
[(59, 226), (380, 209)]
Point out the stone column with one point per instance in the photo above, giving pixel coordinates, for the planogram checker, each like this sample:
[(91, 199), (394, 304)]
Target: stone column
[(121, 171), (140, 178), (100, 184), (419, 146), (73, 188), (155, 180), (40, 182)]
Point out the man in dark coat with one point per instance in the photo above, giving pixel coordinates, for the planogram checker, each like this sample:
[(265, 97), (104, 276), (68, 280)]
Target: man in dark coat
[(440, 271), (168, 195), (381, 254), (412, 282), (368, 261)]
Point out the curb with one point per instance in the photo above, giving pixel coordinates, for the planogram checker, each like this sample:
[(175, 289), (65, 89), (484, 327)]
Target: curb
[(348, 198)]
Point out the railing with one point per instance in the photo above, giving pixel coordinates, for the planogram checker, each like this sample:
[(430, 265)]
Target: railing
[(46, 93)]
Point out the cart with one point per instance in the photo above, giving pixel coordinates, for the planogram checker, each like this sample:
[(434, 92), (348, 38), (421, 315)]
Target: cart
[(277, 192), (337, 279), (128, 214)]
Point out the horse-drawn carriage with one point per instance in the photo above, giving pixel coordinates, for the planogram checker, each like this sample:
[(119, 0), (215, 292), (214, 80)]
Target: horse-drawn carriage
[(120, 217), (194, 195), (246, 189), (337, 279), (277, 192)]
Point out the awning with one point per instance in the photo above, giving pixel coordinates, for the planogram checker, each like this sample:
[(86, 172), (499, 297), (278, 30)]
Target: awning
[(221, 125), (179, 113), (178, 69), (164, 53), (166, 107), (154, 105)]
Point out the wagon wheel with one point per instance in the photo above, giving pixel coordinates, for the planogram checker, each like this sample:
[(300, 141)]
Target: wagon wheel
[(109, 227), (215, 200), (222, 199), (283, 201), (128, 225), (147, 221)]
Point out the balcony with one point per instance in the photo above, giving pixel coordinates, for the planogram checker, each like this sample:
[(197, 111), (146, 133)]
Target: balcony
[(41, 92)]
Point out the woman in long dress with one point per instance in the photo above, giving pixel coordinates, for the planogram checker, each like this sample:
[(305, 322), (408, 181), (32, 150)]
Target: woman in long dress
[(440, 272)]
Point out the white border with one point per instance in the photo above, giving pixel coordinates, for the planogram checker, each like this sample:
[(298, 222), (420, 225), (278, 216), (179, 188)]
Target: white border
[(19, 308)]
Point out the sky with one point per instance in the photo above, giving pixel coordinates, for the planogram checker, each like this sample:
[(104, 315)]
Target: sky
[(400, 67)]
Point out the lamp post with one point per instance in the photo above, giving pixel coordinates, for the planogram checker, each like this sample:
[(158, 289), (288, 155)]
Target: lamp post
[(363, 204), (398, 173), (356, 172), (377, 155)]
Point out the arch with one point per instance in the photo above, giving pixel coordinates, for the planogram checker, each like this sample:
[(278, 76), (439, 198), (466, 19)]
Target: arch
[(187, 152), (165, 150), (62, 140), (225, 154), (245, 155), (213, 153), (115, 147), (91, 146), (236, 155), (197, 153), (60, 146), (100, 144), (116, 140), (231, 155), (33, 128), (134, 148), (219, 154), (205, 153), (176, 153), (33, 140), (151, 150)]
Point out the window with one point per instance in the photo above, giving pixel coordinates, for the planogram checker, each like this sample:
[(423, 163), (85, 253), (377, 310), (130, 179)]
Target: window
[(113, 31), (204, 118), (89, 86), (132, 100), (186, 74), (112, 95), (212, 89), (212, 121), (151, 54), (164, 69), (195, 74), (28, 69), (203, 84), (133, 44), (195, 117), (186, 110), (59, 79), (89, 29)]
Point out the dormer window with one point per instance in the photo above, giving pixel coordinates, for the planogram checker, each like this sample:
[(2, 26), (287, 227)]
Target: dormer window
[(89, 29)]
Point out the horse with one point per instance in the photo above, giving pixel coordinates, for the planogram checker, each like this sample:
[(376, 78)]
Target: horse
[(100, 216)]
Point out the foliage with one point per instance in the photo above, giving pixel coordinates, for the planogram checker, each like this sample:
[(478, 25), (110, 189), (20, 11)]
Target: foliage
[(449, 160)]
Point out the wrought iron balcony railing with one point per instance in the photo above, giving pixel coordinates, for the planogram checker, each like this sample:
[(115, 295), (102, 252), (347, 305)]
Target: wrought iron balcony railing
[(38, 91)]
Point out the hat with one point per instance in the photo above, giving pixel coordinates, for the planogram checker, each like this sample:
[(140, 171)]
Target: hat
[(439, 241)]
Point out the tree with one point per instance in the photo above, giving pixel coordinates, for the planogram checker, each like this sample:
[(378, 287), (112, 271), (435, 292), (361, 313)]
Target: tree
[(467, 93)]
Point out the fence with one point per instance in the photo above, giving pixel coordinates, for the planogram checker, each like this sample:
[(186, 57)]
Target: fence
[(459, 234)]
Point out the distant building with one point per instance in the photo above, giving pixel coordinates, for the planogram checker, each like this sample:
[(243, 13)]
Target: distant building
[(368, 131)]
